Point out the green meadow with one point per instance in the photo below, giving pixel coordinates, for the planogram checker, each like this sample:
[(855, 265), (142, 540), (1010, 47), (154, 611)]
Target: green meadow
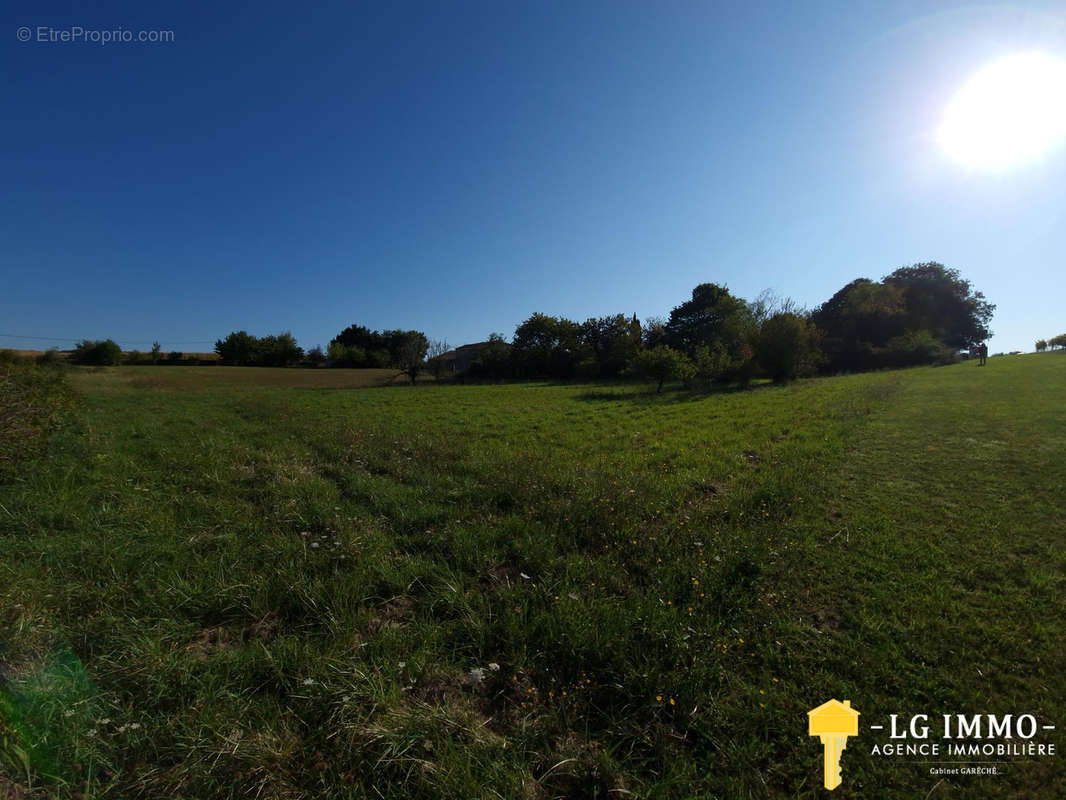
[(227, 582)]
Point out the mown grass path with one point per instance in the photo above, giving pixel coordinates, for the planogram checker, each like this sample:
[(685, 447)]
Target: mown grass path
[(933, 573)]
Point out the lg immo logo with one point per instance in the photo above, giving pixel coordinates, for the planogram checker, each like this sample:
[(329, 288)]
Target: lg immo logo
[(833, 722), (950, 744)]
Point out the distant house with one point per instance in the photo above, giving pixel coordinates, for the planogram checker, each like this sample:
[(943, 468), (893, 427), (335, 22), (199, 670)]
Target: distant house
[(461, 358)]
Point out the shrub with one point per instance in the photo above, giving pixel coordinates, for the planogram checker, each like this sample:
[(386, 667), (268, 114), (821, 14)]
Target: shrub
[(342, 355), (587, 369), (712, 362), (917, 347), (105, 353), (49, 358)]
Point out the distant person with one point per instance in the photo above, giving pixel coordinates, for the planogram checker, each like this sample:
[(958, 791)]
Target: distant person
[(982, 353)]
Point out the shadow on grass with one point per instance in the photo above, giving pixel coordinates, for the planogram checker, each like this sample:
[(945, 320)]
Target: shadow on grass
[(668, 395)]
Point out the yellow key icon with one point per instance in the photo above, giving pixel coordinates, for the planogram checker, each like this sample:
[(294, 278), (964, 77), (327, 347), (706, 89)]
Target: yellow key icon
[(833, 722)]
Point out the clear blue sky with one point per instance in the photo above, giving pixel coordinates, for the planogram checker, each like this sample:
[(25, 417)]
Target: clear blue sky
[(454, 167)]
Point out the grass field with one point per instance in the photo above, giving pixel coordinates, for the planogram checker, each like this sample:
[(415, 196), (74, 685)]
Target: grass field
[(228, 582)]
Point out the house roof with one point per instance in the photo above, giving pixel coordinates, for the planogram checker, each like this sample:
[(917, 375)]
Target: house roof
[(463, 349)]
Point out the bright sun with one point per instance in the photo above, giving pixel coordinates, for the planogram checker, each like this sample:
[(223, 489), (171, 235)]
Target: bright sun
[(1010, 112)]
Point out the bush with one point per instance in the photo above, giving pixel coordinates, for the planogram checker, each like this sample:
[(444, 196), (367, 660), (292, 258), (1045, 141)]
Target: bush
[(49, 358), (342, 355), (587, 369), (917, 347), (105, 353)]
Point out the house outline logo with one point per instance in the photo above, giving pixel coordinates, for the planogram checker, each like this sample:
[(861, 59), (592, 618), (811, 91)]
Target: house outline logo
[(833, 722)]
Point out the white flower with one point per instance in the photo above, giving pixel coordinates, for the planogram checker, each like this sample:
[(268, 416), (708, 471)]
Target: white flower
[(494, 667), (134, 726), (314, 544), (477, 675), (403, 664), (69, 712), (309, 681)]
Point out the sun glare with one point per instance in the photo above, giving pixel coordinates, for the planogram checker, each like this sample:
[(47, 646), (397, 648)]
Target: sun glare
[(1010, 112)]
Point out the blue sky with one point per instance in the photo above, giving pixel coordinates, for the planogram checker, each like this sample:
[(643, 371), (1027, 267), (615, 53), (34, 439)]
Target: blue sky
[(454, 167)]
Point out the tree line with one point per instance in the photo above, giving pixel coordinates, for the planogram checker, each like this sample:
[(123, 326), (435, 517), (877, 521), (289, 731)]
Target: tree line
[(921, 314), (1055, 343)]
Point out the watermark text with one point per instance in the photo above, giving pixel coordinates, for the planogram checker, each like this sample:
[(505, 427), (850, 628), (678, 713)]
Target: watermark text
[(76, 34)]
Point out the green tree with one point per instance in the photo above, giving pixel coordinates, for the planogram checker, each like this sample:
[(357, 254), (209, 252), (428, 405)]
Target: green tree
[(277, 351), (494, 360), (545, 346), (238, 348), (662, 364), (411, 355), (609, 343), (653, 332), (857, 323), (157, 351), (939, 300), (342, 355), (1041, 345), (714, 317), (787, 346), (98, 353)]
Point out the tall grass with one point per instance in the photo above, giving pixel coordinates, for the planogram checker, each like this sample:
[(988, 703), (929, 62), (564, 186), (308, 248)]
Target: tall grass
[(34, 400)]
